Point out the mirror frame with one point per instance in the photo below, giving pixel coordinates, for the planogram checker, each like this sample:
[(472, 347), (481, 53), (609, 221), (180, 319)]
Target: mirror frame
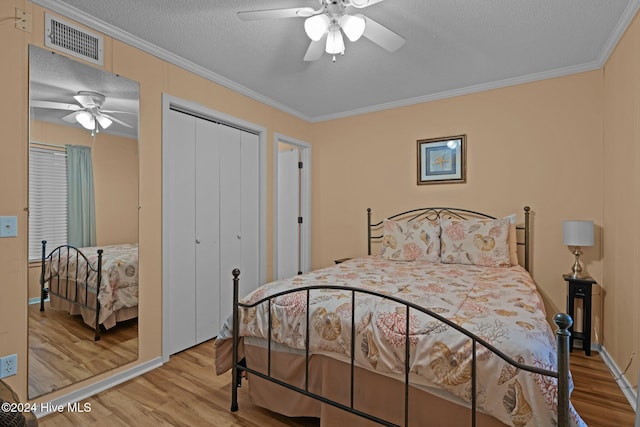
[(58, 81)]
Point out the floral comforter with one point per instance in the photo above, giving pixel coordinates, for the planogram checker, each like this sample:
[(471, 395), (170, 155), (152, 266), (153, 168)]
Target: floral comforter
[(500, 305), (119, 286)]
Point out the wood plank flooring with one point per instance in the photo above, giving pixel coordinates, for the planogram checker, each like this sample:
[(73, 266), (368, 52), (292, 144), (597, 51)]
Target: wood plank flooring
[(596, 396), (62, 349), (186, 392)]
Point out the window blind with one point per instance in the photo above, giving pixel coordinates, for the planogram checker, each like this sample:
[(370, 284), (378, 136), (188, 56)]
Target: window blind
[(47, 200)]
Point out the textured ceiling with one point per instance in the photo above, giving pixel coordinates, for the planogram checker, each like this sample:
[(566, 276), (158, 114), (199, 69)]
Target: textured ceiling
[(453, 47)]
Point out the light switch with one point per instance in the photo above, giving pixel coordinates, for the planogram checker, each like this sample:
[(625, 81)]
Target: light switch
[(8, 226)]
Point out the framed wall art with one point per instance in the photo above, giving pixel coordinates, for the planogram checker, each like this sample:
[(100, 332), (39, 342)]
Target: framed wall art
[(442, 160)]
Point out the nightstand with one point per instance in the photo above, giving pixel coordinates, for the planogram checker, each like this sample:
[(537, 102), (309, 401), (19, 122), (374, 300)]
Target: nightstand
[(581, 289)]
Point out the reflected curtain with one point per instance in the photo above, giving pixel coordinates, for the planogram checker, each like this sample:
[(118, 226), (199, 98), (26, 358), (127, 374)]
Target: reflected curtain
[(81, 204)]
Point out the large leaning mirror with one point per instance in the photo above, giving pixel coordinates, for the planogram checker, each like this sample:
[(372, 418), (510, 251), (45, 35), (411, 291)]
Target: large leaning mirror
[(83, 192)]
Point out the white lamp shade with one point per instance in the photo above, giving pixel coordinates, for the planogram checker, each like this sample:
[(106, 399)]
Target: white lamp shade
[(335, 42), (353, 26), (86, 120), (316, 26), (105, 122), (577, 233)]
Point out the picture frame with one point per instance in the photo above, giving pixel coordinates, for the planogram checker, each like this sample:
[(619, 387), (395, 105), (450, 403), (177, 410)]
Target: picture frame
[(442, 160)]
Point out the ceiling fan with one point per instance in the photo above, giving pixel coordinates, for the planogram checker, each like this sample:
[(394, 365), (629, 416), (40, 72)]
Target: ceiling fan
[(88, 112), (325, 26)]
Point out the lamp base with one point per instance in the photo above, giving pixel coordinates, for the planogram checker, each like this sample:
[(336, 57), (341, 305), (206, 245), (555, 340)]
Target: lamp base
[(576, 269)]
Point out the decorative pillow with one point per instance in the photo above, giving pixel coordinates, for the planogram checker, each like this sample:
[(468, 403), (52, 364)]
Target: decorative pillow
[(411, 240), (483, 242), (513, 239)]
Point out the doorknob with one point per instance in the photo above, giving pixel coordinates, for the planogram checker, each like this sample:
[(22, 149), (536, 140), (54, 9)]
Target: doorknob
[(239, 237), (198, 241)]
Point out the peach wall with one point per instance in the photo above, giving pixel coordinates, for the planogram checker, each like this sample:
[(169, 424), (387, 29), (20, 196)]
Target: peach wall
[(537, 144), (155, 77), (621, 203)]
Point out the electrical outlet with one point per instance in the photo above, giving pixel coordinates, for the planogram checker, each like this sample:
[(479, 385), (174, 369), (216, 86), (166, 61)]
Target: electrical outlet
[(8, 365)]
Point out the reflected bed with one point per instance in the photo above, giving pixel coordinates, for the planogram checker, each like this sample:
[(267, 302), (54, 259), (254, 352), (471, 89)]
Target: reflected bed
[(73, 278)]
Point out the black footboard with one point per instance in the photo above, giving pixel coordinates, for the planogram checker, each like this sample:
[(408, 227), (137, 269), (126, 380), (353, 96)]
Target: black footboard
[(563, 321), (71, 271)]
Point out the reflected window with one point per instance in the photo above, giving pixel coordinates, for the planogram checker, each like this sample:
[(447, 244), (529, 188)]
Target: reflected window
[(47, 199)]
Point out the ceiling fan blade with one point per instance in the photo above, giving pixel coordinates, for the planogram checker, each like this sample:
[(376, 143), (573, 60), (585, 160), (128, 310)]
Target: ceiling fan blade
[(363, 3), (55, 105), (315, 50), (71, 118), (293, 12), (113, 119), (117, 112), (382, 36)]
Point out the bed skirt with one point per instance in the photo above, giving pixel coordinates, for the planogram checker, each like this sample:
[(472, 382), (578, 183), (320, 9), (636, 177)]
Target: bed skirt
[(89, 316), (375, 394)]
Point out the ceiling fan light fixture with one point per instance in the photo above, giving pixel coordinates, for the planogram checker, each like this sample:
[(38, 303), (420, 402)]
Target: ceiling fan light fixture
[(105, 122), (316, 26), (353, 26), (360, 3), (335, 42), (86, 120)]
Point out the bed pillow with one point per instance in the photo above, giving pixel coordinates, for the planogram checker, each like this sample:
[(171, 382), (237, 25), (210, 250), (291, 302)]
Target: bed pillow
[(411, 240), (513, 240), (483, 242)]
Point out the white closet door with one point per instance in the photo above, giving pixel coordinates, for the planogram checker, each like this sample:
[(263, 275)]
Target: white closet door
[(288, 213), (250, 212), (178, 244), (211, 212), (207, 231), (230, 212)]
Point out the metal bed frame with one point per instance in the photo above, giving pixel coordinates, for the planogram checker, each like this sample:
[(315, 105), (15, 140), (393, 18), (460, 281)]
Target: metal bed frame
[(562, 321), (84, 272)]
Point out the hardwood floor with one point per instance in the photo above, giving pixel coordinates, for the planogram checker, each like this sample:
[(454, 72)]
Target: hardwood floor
[(186, 392), (62, 349), (596, 396)]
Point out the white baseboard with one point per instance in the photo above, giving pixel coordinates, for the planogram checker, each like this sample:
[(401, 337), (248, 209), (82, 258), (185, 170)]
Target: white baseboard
[(623, 383), (107, 383)]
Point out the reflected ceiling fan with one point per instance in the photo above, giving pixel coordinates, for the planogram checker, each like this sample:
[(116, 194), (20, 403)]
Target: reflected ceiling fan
[(88, 112), (325, 26)]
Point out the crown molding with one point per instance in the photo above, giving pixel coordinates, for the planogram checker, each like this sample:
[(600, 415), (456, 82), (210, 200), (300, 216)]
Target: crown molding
[(619, 30), (560, 72)]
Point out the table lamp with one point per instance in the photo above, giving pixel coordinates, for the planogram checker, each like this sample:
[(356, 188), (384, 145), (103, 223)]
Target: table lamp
[(577, 234)]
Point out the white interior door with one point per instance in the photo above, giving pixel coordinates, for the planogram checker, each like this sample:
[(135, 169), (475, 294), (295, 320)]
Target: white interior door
[(292, 201), (207, 230), (239, 213), (288, 213), (179, 252), (230, 211), (250, 214)]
